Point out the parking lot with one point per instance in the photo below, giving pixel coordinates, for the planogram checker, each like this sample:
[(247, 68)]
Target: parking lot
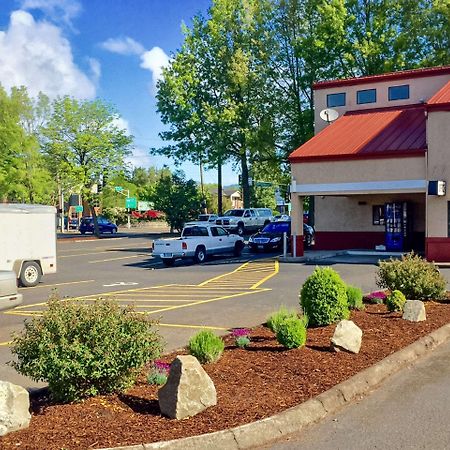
[(223, 293)]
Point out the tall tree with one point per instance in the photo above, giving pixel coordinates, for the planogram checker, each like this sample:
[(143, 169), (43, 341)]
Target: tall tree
[(82, 144)]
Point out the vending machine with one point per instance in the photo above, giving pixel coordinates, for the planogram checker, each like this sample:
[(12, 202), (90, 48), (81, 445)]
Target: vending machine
[(398, 226)]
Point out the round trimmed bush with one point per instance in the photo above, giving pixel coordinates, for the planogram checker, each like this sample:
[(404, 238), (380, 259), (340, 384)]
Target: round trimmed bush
[(274, 320), (206, 347), (324, 297), (291, 332), (83, 349), (395, 301)]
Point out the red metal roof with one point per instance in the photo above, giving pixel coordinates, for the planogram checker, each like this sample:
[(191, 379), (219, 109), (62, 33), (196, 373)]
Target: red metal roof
[(368, 134), (441, 98), (413, 73)]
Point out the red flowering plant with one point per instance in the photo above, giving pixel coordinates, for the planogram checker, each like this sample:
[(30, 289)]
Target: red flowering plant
[(241, 337), (158, 373)]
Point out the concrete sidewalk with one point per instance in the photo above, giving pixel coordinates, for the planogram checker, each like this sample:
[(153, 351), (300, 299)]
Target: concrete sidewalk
[(408, 411)]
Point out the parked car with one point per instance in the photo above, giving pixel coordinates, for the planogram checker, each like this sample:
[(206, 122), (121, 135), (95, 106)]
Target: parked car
[(72, 222), (198, 242), (104, 225), (8, 290), (271, 236), (204, 218), (243, 220)]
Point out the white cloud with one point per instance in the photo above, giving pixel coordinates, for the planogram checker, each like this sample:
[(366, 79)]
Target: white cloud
[(57, 10), (140, 157), (96, 69), (122, 124), (155, 60), (123, 46), (35, 54)]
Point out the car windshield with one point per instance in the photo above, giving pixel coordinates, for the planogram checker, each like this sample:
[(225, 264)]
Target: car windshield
[(276, 227), (87, 221), (234, 213)]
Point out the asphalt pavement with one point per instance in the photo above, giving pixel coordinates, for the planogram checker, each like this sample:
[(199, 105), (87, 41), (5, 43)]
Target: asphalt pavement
[(409, 411)]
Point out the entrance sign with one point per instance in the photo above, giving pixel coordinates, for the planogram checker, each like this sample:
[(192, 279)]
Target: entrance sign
[(131, 202)]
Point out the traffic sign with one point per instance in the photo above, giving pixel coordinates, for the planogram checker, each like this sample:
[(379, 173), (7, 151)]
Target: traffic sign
[(263, 184), (118, 188), (79, 208), (131, 202), (144, 206)]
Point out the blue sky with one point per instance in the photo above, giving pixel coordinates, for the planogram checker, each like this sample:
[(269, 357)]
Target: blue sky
[(111, 49)]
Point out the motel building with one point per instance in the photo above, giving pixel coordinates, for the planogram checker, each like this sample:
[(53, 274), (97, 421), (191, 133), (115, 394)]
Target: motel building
[(379, 173)]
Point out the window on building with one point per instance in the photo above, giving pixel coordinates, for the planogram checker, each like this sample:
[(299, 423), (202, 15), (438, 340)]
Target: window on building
[(336, 100), (366, 96), (398, 92), (378, 214)]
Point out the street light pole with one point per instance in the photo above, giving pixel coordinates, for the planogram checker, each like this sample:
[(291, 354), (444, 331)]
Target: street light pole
[(121, 190)]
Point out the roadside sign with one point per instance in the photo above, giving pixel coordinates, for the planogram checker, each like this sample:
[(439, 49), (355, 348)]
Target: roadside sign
[(131, 202), (118, 188), (144, 206), (263, 184), (79, 208)]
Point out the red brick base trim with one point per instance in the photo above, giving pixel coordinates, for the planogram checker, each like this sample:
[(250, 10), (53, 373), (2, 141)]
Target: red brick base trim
[(437, 249), (299, 246), (342, 240)]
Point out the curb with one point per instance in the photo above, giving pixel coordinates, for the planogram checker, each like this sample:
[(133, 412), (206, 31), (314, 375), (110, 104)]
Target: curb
[(295, 419)]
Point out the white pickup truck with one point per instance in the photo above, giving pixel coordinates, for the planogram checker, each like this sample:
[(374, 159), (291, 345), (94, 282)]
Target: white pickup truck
[(198, 242)]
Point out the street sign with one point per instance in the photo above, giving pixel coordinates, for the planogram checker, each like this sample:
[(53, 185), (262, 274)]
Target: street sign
[(118, 188), (263, 184), (131, 202), (79, 208)]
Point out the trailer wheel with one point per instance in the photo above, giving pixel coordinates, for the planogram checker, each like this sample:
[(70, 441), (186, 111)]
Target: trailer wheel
[(31, 274)]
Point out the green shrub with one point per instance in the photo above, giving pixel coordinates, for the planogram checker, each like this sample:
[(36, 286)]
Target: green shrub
[(276, 318), (355, 298), (291, 332), (395, 301), (417, 278), (324, 297), (83, 349), (206, 346)]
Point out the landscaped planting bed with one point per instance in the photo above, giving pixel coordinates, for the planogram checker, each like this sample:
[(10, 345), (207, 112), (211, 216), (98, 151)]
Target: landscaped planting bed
[(251, 384)]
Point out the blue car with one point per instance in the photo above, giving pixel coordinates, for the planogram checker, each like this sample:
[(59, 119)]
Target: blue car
[(104, 225)]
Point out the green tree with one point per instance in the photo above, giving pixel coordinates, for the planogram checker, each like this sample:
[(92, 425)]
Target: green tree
[(83, 144), (178, 198), (215, 94)]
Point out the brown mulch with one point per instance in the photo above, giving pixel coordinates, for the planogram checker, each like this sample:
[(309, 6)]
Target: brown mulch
[(251, 384)]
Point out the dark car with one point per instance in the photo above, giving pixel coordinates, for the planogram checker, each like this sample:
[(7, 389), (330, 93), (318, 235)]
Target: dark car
[(104, 225), (271, 236)]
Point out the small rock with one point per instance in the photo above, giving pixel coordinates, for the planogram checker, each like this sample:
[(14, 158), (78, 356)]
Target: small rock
[(414, 311), (14, 408), (347, 336), (188, 391)]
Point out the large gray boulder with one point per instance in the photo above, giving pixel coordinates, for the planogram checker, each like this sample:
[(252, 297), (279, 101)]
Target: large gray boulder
[(414, 311), (347, 336), (14, 408), (188, 391)]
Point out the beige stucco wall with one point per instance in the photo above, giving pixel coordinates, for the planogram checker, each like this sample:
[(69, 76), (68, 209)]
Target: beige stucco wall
[(354, 213), (438, 133), (420, 89), (412, 168)]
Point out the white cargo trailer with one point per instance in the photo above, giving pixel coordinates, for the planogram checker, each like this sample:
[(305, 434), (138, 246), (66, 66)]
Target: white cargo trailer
[(28, 241)]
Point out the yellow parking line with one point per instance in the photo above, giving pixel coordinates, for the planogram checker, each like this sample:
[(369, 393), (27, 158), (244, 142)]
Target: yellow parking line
[(59, 284), (277, 269), (201, 302), (116, 259), (223, 275)]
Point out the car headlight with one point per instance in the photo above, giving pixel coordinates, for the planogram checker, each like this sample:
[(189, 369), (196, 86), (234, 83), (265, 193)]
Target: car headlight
[(275, 239)]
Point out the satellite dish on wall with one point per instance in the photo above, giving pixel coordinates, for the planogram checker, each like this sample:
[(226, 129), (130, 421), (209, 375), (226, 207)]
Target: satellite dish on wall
[(329, 115)]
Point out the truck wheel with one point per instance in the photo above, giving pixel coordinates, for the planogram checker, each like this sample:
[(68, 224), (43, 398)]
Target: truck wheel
[(308, 241), (238, 247), (31, 274), (168, 262), (240, 229), (200, 255)]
